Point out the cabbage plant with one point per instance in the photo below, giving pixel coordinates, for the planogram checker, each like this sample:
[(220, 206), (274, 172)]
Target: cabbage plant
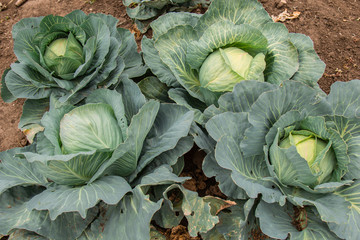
[(69, 57), (144, 11), (200, 57), (88, 174), (292, 150)]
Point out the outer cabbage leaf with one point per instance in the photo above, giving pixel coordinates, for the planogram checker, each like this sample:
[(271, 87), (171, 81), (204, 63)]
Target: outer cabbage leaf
[(196, 210), (183, 98), (152, 88), (15, 171), (23, 234), (238, 222), (144, 11), (172, 122), (311, 67), (278, 222), (157, 66), (131, 218), (109, 189), (350, 227), (30, 121), (67, 226)]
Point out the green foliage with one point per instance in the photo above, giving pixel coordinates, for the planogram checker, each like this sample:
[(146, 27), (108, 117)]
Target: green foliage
[(68, 57), (106, 152), (90, 172), (294, 150), (233, 41), (144, 11)]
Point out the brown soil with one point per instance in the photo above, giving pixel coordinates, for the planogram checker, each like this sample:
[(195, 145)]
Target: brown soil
[(199, 182), (177, 233), (333, 25)]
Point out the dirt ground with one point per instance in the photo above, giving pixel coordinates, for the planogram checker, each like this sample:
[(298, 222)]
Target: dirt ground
[(333, 25)]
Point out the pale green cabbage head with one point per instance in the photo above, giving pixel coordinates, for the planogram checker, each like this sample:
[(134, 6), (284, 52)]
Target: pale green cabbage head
[(319, 157), (224, 68), (90, 127), (64, 55)]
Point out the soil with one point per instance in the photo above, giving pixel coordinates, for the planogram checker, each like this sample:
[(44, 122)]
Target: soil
[(333, 25)]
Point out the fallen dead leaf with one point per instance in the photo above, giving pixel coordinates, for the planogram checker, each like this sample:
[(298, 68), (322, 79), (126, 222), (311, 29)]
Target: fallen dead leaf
[(138, 35), (2, 6), (285, 16), (20, 2)]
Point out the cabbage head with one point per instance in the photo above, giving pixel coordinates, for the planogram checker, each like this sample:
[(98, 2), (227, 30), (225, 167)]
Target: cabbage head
[(89, 172), (294, 151), (222, 69), (315, 151), (200, 57), (69, 57), (63, 56)]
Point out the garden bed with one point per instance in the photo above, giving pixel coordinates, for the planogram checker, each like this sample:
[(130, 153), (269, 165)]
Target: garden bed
[(331, 24)]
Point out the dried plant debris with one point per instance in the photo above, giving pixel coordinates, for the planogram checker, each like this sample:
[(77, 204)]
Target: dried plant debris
[(285, 15), (3, 6), (20, 2)]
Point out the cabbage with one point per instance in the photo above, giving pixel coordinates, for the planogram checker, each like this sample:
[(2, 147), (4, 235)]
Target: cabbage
[(294, 152), (90, 171)]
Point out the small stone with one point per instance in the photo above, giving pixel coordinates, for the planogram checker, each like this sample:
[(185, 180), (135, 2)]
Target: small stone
[(281, 3)]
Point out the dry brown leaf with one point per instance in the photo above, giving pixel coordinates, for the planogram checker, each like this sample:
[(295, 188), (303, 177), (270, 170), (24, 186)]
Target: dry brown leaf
[(285, 16), (20, 2), (138, 35), (2, 6)]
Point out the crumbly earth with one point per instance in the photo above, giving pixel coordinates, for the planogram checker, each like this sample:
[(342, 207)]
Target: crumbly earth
[(333, 25)]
